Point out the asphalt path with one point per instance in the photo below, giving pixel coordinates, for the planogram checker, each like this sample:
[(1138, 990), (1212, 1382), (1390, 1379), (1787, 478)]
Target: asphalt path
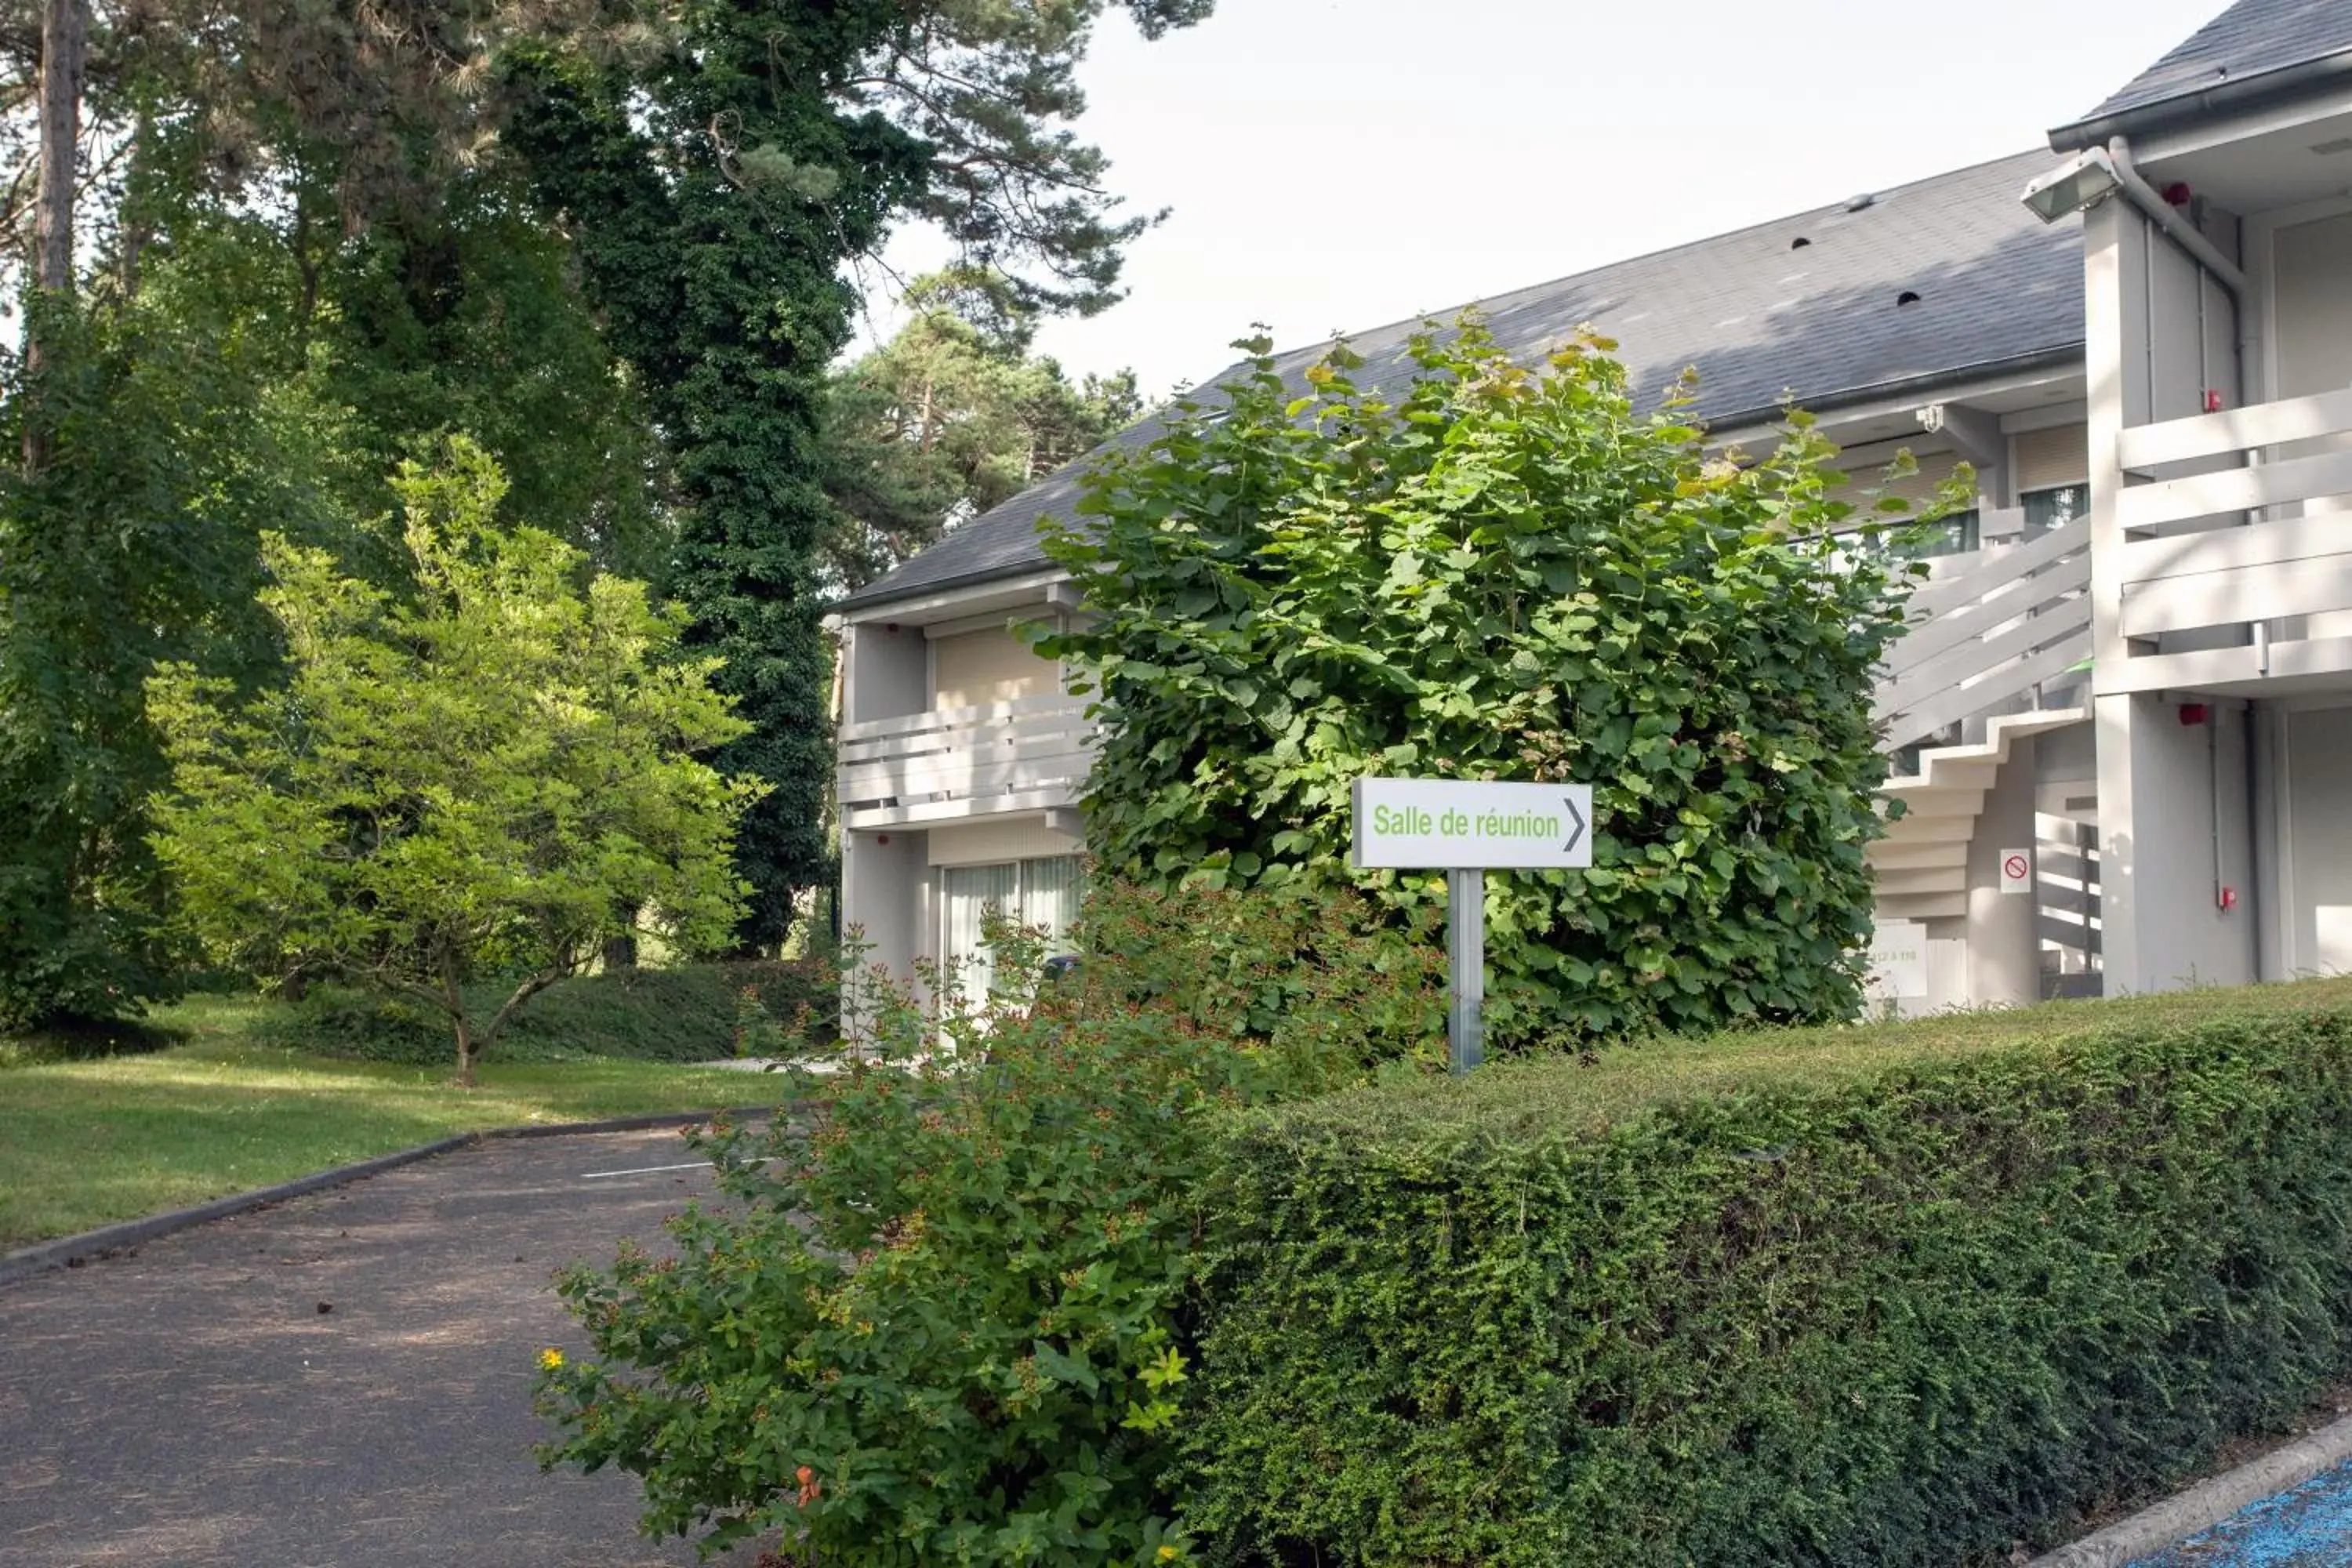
[(340, 1381)]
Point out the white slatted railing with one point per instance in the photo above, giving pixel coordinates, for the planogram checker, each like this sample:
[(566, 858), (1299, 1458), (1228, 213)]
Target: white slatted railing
[(960, 763), (2208, 549), (1991, 630)]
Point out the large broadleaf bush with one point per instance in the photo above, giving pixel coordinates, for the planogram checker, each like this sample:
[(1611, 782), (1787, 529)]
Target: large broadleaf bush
[(1509, 573), (945, 1315)]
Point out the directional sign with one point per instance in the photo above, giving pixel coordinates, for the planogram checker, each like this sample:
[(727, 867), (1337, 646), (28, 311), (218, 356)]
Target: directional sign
[(1439, 823)]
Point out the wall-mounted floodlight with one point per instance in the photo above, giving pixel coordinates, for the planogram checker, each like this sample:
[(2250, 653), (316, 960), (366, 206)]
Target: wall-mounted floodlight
[(2076, 185)]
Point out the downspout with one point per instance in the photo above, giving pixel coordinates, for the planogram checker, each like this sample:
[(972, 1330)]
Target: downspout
[(2202, 251), (2178, 229)]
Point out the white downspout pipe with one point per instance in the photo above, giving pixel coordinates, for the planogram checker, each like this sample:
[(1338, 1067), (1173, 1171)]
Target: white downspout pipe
[(2181, 232), (2184, 234)]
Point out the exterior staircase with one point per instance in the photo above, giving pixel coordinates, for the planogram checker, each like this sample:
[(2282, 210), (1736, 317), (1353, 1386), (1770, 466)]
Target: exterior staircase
[(1922, 863), (1998, 650)]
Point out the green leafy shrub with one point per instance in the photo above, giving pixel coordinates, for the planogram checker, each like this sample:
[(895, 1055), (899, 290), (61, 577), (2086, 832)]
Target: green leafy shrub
[(1502, 574), (945, 1317), (1890, 1296), (493, 773), (687, 1014)]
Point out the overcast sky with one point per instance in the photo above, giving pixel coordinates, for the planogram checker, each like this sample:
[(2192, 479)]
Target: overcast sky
[(1343, 163)]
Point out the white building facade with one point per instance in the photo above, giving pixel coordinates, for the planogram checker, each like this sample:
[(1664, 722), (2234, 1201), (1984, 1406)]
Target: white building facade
[(2132, 664)]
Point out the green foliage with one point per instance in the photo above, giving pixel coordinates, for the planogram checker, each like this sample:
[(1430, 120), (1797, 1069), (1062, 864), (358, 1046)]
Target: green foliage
[(167, 448), (1894, 1295), (471, 324), (943, 1318), (320, 242), (687, 1014), (1501, 574), (950, 418), (714, 179), (728, 303), (86, 1040), (476, 782), (185, 416)]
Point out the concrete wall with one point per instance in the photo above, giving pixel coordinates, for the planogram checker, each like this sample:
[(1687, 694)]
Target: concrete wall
[(2311, 318), (2315, 887), (884, 673), (2311, 305), (975, 668), (2162, 818), (2003, 929), (885, 882)]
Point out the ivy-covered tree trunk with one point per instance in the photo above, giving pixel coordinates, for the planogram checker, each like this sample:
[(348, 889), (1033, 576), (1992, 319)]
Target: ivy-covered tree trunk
[(714, 257), (714, 183)]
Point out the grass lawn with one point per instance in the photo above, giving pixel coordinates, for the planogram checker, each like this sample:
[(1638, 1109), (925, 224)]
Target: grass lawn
[(85, 1143)]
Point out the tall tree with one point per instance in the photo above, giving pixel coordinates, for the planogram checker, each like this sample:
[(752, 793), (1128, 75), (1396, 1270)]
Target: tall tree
[(714, 185), (231, 228), (171, 444), (470, 784), (950, 416), (65, 27)]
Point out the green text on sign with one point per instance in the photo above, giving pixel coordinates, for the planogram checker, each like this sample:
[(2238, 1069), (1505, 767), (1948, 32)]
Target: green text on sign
[(1439, 824)]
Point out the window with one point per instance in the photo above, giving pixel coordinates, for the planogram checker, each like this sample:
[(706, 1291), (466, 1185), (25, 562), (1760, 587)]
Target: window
[(1042, 892), (1953, 534), (2046, 510)]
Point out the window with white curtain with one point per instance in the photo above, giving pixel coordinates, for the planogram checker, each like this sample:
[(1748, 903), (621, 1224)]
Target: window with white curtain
[(1042, 892), (2054, 508)]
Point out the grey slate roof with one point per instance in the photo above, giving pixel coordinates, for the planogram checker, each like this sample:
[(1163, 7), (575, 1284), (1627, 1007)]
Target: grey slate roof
[(2251, 39), (1758, 316)]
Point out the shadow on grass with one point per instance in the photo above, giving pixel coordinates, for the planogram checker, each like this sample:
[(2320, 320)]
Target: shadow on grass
[(89, 1040)]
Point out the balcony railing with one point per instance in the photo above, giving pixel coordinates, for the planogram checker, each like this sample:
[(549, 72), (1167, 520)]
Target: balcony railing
[(960, 762), (1991, 628), (1988, 633), (2253, 539)]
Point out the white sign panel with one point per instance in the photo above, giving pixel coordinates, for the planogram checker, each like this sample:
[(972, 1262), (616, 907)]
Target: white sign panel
[(2017, 870), (1898, 959), (1434, 824)]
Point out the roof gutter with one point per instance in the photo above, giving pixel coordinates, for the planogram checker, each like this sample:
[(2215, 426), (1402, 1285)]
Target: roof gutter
[(864, 605), (2238, 96), (1920, 385)]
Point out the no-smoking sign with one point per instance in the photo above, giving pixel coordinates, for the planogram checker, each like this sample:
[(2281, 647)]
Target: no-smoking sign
[(2017, 870)]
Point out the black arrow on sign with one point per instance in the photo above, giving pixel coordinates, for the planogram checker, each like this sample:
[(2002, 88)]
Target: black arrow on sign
[(1577, 817)]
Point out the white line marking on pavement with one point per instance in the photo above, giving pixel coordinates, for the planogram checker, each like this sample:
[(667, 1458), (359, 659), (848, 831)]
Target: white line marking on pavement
[(649, 1170)]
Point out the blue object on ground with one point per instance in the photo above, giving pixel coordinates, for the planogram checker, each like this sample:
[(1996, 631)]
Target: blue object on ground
[(2309, 1526)]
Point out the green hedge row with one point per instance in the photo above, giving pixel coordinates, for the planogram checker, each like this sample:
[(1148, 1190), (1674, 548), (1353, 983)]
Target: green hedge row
[(1894, 1295), (684, 1013)]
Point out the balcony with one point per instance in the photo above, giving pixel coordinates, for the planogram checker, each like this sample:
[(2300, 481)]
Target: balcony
[(2252, 536), (955, 765), (1988, 635)]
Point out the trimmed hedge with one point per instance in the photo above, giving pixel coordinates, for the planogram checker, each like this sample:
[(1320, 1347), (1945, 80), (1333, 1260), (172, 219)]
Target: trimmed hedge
[(1891, 1296), (687, 1014)]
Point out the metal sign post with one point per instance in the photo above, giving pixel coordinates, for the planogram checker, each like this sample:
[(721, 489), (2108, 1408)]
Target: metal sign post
[(1465, 963), (1467, 830)]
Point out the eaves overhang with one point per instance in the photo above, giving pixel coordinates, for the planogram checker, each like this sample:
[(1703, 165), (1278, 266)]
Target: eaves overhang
[(2240, 95)]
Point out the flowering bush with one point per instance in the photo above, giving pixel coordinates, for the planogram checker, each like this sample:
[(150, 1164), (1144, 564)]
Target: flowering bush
[(945, 1316)]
